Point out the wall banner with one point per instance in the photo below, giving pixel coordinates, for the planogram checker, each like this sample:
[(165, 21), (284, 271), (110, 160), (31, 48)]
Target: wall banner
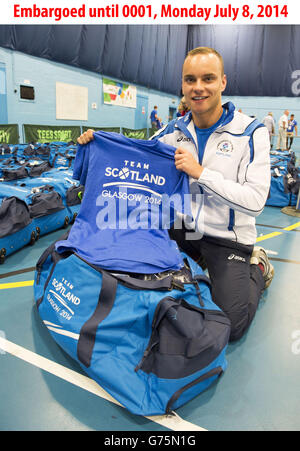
[(141, 133), (9, 134), (50, 133), (103, 129), (119, 94)]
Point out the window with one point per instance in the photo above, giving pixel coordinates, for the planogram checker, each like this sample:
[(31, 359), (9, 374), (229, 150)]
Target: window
[(26, 92)]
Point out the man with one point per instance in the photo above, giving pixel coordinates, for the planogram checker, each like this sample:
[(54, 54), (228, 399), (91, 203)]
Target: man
[(292, 125), (226, 155), (269, 122), (282, 127), (154, 118)]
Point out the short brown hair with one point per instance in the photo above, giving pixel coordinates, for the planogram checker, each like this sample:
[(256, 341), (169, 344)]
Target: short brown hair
[(206, 51)]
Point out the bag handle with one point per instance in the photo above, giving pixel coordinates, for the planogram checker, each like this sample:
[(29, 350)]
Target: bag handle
[(87, 337), (165, 284), (46, 254), (215, 372), (203, 278), (56, 257)]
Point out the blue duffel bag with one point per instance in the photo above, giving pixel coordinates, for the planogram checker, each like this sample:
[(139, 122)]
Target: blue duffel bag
[(278, 195), (152, 344)]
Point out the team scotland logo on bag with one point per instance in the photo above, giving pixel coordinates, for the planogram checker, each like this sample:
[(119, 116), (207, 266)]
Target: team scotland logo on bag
[(225, 148), (61, 297)]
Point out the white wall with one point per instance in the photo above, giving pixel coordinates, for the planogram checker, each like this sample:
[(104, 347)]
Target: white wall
[(43, 75), (260, 106)]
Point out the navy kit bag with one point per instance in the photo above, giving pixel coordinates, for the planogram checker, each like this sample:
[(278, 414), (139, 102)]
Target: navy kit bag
[(152, 344), (17, 228)]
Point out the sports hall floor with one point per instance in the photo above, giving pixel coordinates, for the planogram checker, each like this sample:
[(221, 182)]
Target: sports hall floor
[(43, 389)]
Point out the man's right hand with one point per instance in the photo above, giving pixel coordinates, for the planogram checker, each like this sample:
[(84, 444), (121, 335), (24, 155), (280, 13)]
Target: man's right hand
[(86, 137)]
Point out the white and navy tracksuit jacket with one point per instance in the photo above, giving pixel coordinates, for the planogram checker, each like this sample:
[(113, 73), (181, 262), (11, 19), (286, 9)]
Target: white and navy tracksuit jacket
[(234, 184)]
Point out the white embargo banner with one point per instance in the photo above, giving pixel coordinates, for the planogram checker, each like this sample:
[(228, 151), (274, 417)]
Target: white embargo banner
[(150, 12)]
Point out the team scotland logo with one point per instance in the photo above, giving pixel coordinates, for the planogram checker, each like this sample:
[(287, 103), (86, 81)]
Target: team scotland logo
[(225, 147), (124, 173), (134, 172)]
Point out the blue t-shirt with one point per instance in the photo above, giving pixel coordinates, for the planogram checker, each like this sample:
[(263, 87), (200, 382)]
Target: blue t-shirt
[(204, 133), (291, 125), (152, 115), (123, 220)]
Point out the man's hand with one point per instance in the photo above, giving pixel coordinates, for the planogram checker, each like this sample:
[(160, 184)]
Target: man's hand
[(86, 137), (185, 162)]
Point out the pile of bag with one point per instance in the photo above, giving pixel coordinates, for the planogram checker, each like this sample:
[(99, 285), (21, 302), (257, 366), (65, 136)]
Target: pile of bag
[(37, 192), (285, 179)]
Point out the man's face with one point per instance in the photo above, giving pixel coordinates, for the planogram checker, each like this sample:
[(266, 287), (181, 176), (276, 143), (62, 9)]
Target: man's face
[(203, 83)]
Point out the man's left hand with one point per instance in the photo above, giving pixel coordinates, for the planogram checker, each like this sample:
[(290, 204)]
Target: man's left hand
[(185, 162)]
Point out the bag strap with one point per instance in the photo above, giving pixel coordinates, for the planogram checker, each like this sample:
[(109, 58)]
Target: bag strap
[(88, 331), (196, 280), (165, 284), (202, 278), (215, 372), (46, 253), (56, 257)]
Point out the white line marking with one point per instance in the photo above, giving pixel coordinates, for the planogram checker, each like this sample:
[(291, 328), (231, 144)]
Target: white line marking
[(174, 423)]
